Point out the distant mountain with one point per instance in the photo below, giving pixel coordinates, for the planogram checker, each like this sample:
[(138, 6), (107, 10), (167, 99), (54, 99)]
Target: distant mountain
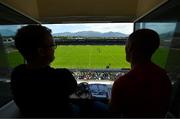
[(6, 32), (91, 34)]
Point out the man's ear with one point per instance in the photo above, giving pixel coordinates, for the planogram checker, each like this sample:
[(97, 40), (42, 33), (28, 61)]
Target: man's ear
[(41, 52)]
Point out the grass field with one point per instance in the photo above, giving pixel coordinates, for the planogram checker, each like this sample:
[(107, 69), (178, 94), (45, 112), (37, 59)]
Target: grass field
[(15, 59), (91, 56)]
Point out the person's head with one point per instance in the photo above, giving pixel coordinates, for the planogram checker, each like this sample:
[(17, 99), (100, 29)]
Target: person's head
[(141, 45), (35, 43)]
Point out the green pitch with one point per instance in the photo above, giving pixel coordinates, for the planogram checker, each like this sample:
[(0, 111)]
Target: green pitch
[(90, 56), (87, 56)]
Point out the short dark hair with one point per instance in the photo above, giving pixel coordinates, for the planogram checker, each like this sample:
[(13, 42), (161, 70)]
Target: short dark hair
[(29, 38), (145, 41)]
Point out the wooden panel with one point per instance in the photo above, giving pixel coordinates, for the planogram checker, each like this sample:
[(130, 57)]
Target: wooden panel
[(52, 8), (27, 7)]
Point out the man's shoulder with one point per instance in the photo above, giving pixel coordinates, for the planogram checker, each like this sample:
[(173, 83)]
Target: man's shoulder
[(62, 71), (19, 68), (122, 79)]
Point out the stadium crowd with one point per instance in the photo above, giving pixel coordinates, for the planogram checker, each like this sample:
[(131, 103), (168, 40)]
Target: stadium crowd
[(95, 75)]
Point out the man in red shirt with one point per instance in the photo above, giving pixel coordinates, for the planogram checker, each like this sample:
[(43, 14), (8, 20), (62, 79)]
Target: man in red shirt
[(145, 90)]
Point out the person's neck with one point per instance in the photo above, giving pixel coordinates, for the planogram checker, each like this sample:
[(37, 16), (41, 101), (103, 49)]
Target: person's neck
[(140, 62)]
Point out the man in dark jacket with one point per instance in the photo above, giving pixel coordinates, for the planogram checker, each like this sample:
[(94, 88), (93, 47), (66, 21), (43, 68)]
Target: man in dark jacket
[(38, 89)]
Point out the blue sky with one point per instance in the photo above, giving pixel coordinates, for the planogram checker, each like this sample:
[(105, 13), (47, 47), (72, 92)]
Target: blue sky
[(125, 28)]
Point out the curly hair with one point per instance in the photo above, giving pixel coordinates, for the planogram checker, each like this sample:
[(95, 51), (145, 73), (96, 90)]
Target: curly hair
[(29, 38)]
